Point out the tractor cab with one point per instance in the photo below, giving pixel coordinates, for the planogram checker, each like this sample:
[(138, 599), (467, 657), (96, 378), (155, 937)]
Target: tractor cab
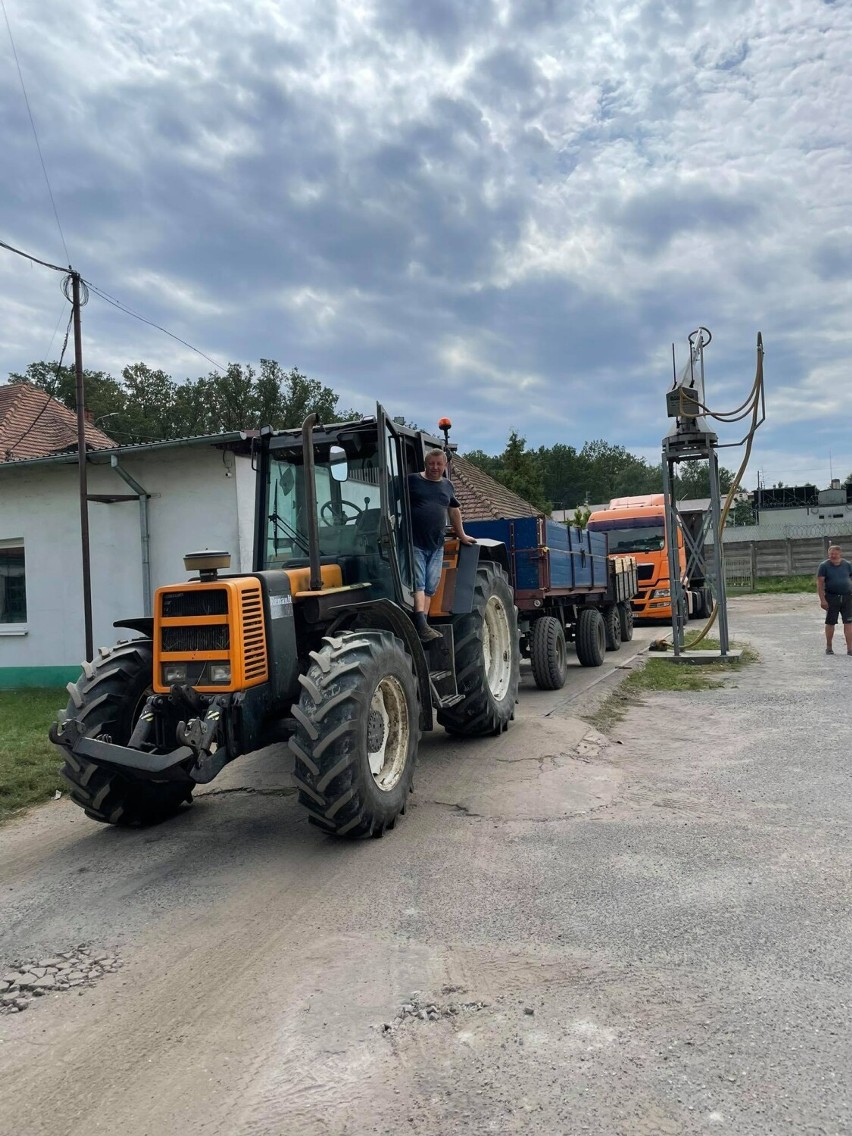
[(337, 494)]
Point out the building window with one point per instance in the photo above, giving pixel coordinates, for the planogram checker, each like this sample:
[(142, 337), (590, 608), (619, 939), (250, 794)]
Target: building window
[(13, 590)]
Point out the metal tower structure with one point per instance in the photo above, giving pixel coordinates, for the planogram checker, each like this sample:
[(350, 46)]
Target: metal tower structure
[(691, 439)]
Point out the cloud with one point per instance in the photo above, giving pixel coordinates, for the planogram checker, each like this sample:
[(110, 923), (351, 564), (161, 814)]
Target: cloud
[(508, 207)]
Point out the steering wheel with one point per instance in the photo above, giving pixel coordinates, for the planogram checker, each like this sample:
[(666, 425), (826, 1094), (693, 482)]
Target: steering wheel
[(340, 517)]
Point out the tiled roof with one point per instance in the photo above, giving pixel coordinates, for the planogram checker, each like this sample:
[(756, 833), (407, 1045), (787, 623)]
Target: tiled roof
[(482, 498), (34, 425)]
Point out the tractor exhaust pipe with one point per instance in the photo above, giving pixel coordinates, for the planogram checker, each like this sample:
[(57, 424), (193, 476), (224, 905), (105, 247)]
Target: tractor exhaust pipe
[(311, 501)]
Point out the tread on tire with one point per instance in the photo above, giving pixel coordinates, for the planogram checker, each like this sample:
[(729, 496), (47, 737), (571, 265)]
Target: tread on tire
[(484, 711), (107, 698), (360, 690), (548, 653)]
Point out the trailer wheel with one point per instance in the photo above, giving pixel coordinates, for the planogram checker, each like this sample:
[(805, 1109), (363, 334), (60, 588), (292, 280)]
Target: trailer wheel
[(358, 729), (625, 615), (486, 657), (590, 640), (547, 653), (612, 628), (108, 698)]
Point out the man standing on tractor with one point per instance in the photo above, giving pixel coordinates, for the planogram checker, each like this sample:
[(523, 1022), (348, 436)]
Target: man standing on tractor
[(432, 502)]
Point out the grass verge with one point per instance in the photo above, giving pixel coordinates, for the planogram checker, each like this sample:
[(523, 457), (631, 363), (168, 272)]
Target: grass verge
[(662, 675), (777, 584), (29, 762)]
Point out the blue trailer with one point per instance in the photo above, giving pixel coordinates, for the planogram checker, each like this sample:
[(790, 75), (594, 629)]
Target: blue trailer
[(567, 590)]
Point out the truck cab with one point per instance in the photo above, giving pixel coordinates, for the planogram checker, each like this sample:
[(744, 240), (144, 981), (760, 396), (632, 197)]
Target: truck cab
[(636, 526)]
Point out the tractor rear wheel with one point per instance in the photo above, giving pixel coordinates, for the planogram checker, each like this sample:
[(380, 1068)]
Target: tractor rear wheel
[(358, 729), (108, 698), (487, 658), (547, 653), (625, 613), (612, 628), (590, 641)]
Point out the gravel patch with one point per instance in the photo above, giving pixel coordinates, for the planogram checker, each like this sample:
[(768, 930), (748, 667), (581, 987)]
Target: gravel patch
[(27, 979)]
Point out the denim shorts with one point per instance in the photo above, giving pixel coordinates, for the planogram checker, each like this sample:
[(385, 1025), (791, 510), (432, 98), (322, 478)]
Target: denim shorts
[(838, 605), (427, 570)]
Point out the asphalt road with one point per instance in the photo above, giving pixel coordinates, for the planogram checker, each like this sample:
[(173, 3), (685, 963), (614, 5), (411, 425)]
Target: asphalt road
[(563, 935)]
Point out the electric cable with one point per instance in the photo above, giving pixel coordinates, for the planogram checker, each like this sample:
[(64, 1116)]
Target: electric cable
[(50, 397), (757, 387), (35, 132), (129, 311)]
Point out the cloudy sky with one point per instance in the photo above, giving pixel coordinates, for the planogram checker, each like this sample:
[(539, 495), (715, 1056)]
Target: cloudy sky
[(505, 211)]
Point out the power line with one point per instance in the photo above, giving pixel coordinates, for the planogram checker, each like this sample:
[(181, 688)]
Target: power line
[(128, 311), (29, 256), (89, 286), (35, 132), (50, 398)]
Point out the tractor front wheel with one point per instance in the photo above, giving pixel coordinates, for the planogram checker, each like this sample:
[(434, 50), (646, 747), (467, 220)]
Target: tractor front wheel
[(107, 699), (358, 730)]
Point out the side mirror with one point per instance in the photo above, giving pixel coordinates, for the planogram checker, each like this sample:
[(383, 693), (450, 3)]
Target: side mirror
[(337, 463)]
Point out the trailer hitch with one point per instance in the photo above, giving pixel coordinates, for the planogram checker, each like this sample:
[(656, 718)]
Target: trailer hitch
[(203, 736)]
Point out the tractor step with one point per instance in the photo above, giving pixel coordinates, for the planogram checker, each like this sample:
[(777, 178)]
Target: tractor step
[(452, 700)]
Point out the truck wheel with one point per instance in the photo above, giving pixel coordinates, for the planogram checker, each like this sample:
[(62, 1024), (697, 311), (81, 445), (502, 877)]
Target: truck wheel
[(108, 698), (358, 729), (547, 653), (486, 657), (625, 615), (590, 641), (612, 628)]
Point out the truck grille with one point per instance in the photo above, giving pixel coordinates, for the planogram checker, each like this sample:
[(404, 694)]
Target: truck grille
[(254, 636), (210, 601), (217, 638), (645, 571)]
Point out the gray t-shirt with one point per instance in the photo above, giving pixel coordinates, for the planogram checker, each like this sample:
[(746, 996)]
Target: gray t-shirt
[(837, 577)]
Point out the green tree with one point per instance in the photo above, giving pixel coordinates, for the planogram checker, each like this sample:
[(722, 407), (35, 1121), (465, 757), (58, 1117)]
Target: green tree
[(693, 480), (147, 404)]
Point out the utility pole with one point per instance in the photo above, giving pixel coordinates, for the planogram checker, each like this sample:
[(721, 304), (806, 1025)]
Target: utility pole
[(81, 459)]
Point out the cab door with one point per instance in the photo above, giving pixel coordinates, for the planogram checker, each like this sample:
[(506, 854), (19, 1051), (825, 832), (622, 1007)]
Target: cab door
[(394, 527)]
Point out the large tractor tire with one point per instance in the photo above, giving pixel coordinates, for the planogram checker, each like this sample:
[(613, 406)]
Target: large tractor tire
[(108, 698), (590, 641), (612, 628), (625, 614), (358, 729), (547, 653), (487, 659)]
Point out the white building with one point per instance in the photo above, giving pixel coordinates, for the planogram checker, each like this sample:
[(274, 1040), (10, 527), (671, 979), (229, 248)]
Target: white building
[(148, 505)]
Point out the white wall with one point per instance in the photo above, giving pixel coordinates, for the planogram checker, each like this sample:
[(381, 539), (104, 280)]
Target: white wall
[(194, 505)]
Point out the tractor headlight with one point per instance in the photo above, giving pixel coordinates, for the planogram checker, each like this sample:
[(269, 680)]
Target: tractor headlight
[(220, 672), (174, 674), (661, 593)]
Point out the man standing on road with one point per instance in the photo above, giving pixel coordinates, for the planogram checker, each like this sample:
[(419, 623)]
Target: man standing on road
[(432, 501), (834, 585)]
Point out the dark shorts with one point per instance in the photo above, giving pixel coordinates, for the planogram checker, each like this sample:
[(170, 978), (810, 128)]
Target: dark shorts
[(838, 605)]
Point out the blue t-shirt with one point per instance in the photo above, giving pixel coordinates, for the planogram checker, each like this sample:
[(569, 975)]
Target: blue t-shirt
[(837, 577), (429, 503)]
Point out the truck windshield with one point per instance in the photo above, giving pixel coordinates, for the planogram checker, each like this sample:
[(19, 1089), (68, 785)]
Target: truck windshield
[(637, 540), (348, 504)]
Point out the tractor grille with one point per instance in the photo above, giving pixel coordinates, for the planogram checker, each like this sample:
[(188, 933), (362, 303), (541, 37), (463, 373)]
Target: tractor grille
[(645, 571), (207, 601), (254, 636), (216, 638)]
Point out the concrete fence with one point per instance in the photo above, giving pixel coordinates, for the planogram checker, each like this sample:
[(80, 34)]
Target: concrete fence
[(792, 556)]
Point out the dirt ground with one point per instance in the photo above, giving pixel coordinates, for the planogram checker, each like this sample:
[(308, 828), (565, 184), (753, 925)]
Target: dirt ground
[(646, 933)]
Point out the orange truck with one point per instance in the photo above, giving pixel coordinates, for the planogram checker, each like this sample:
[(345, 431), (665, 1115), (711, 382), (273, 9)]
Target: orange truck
[(637, 526)]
